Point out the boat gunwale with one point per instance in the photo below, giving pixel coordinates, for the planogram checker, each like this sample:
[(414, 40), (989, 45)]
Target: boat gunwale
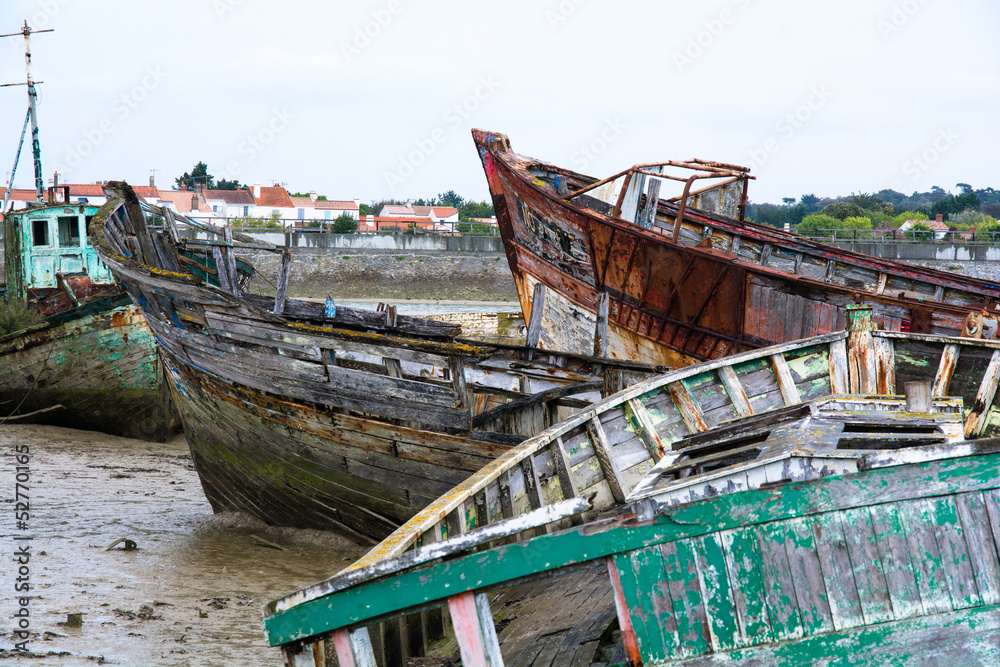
[(628, 532)]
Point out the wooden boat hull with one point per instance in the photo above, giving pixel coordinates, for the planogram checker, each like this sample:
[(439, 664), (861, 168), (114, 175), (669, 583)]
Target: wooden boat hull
[(318, 415), (293, 464), (721, 287), (98, 363)]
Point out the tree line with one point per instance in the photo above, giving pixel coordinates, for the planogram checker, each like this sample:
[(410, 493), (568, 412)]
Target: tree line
[(970, 209)]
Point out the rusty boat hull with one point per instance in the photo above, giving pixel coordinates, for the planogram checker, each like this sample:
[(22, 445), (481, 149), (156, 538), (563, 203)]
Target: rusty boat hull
[(614, 273), (318, 415)]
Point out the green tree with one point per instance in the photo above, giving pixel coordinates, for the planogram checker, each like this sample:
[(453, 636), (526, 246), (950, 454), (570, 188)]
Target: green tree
[(843, 209), (198, 176), (810, 202), (224, 184), (475, 209), (344, 224), (819, 224), (450, 198), (920, 232)]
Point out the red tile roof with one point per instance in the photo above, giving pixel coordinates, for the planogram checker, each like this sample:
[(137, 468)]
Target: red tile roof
[(276, 197), (445, 211), (397, 209), (305, 202), (181, 200)]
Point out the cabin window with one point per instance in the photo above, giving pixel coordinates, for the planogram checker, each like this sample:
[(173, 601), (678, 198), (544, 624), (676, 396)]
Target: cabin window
[(39, 232), (69, 230)]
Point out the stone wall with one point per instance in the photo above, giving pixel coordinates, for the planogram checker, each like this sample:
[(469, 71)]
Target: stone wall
[(456, 276)]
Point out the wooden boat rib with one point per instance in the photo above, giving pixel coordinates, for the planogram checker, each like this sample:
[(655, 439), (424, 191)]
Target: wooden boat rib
[(91, 363), (318, 415), (613, 271), (677, 441)]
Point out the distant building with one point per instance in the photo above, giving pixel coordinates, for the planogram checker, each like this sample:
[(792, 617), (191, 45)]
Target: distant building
[(938, 226), (273, 202), (189, 203), (230, 203)]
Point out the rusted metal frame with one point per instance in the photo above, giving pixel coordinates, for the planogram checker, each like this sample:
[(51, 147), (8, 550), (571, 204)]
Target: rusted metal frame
[(714, 186), (598, 184), (621, 196), (612, 473), (599, 280), (673, 292), (679, 220), (945, 370), (723, 165)]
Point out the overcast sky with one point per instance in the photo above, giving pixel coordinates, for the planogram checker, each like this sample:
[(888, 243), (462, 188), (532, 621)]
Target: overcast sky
[(375, 99)]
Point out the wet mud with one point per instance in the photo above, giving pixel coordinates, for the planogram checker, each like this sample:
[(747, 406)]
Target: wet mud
[(191, 591)]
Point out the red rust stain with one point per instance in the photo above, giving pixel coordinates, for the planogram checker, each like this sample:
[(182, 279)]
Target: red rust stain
[(119, 319)]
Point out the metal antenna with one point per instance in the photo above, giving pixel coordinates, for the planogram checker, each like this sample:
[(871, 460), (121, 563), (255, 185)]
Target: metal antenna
[(32, 98)]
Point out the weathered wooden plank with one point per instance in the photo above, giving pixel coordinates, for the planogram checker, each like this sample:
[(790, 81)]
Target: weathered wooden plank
[(982, 545), (685, 596), (782, 607), (601, 326), (842, 593), (807, 577), (838, 367), (866, 566), (737, 394), (474, 630), (885, 366), (558, 451), (624, 616), (642, 423), (984, 398), (945, 370), (926, 556), (955, 558), (649, 608), (765, 254), (686, 406), (535, 318), (743, 564), (354, 648), (789, 392), (609, 463), (719, 591), (895, 556), (284, 267)]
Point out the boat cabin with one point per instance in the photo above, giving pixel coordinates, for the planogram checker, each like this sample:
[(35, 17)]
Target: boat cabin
[(48, 255)]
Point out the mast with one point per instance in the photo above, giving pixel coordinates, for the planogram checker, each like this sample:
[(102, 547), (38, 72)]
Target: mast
[(36, 149)]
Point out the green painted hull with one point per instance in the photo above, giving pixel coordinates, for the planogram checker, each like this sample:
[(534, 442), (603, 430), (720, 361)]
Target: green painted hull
[(98, 363)]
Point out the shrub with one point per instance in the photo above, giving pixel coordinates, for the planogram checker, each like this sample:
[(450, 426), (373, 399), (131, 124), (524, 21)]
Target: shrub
[(17, 316), (344, 224)]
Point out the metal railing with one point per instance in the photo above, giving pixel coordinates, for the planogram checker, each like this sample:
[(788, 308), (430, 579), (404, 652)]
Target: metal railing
[(916, 236), (259, 225)]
